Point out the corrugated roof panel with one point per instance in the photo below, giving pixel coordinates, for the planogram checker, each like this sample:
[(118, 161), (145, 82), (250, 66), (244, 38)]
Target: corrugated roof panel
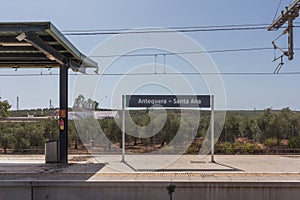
[(26, 44)]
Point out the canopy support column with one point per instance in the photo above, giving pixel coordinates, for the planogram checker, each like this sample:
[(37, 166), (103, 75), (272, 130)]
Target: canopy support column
[(63, 113)]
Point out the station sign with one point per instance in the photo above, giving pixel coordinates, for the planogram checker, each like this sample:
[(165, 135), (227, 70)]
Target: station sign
[(170, 101)]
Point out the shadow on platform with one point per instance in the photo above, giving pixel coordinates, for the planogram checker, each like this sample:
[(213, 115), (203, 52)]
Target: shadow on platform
[(39, 171), (201, 167)]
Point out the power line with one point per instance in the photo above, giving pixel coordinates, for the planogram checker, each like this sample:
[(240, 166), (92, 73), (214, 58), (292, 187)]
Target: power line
[(187, 52), (198, 73), (168, 54), (173, 53), (162, 74), (164, 31), (240, 27), (280, 1), (163, 28), (173, 27)]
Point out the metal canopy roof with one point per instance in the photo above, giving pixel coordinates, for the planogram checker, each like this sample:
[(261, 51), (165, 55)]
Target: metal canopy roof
[(39, 45)]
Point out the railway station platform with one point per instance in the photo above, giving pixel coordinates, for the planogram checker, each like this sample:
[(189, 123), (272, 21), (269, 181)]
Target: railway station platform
[(194, 177)]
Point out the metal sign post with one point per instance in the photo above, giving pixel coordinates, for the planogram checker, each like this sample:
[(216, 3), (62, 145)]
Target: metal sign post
[(212, 124), (123, 128)]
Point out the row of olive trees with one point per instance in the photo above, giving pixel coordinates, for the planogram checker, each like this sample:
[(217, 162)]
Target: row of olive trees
[(269, 124), (31, 136), (259, 127), (147, 129), (23, 136), (142, 128)]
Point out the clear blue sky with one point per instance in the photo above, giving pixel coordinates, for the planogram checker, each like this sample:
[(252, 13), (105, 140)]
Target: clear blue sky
[(243, 92)]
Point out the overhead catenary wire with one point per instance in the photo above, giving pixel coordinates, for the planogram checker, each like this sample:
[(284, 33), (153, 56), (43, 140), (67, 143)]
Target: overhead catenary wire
[(187, 52), (166, 73), (234, 27), (240, 27), (278, 37), (171, 28), (162, 74), (181, 53), (183, 29), (168, 28), (163, 31), (280, 1)]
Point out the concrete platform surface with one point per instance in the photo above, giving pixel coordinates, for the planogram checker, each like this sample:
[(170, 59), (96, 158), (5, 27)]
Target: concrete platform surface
[(227, 168), (148, 177)]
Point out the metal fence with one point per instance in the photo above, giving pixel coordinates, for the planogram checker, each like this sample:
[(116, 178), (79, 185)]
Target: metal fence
[(220, 151)]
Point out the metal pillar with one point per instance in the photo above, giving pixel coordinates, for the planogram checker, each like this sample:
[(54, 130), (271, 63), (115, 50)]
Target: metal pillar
[(123, 128), (212, 134), (290, 39), (63, 113)]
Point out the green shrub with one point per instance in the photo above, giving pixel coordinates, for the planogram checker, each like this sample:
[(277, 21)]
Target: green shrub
[(294, 142), (270, 142)]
